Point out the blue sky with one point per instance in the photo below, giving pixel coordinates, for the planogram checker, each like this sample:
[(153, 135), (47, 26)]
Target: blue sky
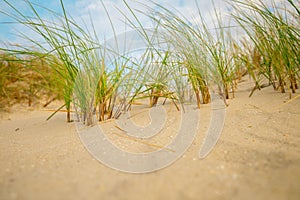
[(81, 9)]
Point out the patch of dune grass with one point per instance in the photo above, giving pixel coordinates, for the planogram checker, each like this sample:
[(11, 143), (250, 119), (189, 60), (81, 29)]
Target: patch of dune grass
[(273, 29), (100, 82), (27, 80)]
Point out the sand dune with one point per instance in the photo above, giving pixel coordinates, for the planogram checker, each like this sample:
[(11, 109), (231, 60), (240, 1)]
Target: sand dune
[(257, 157)]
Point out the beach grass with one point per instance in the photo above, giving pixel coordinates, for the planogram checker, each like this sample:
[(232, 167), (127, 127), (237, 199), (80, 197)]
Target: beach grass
[(273, 32), (182, 61)]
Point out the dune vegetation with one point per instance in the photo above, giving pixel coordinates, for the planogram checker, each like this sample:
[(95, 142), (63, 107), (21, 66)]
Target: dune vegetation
[(72, 65)]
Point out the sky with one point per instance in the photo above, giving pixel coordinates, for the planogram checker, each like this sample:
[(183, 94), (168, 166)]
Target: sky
[(83, 10)]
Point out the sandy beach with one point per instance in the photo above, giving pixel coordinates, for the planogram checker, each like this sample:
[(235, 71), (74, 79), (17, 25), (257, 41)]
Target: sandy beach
[(256, 157)]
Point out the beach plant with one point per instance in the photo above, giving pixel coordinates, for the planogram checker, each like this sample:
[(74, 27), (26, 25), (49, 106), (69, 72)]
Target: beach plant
[(99, 82), (41, 80), (274, 30), (205, 53), (159, 85), (72, 52), (156, 81), (159, 76), (58, 42), (193, 55), (91, 78), (9, 74), (27, 78)]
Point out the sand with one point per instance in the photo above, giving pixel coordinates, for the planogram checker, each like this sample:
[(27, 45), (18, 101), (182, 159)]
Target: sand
[(256, 157)]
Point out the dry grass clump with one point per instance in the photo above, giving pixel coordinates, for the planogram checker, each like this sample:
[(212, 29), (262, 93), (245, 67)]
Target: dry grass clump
[(26, 80)]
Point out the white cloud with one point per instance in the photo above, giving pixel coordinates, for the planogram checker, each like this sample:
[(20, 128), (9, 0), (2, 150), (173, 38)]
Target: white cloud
[(81, 10), (187, 8)]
